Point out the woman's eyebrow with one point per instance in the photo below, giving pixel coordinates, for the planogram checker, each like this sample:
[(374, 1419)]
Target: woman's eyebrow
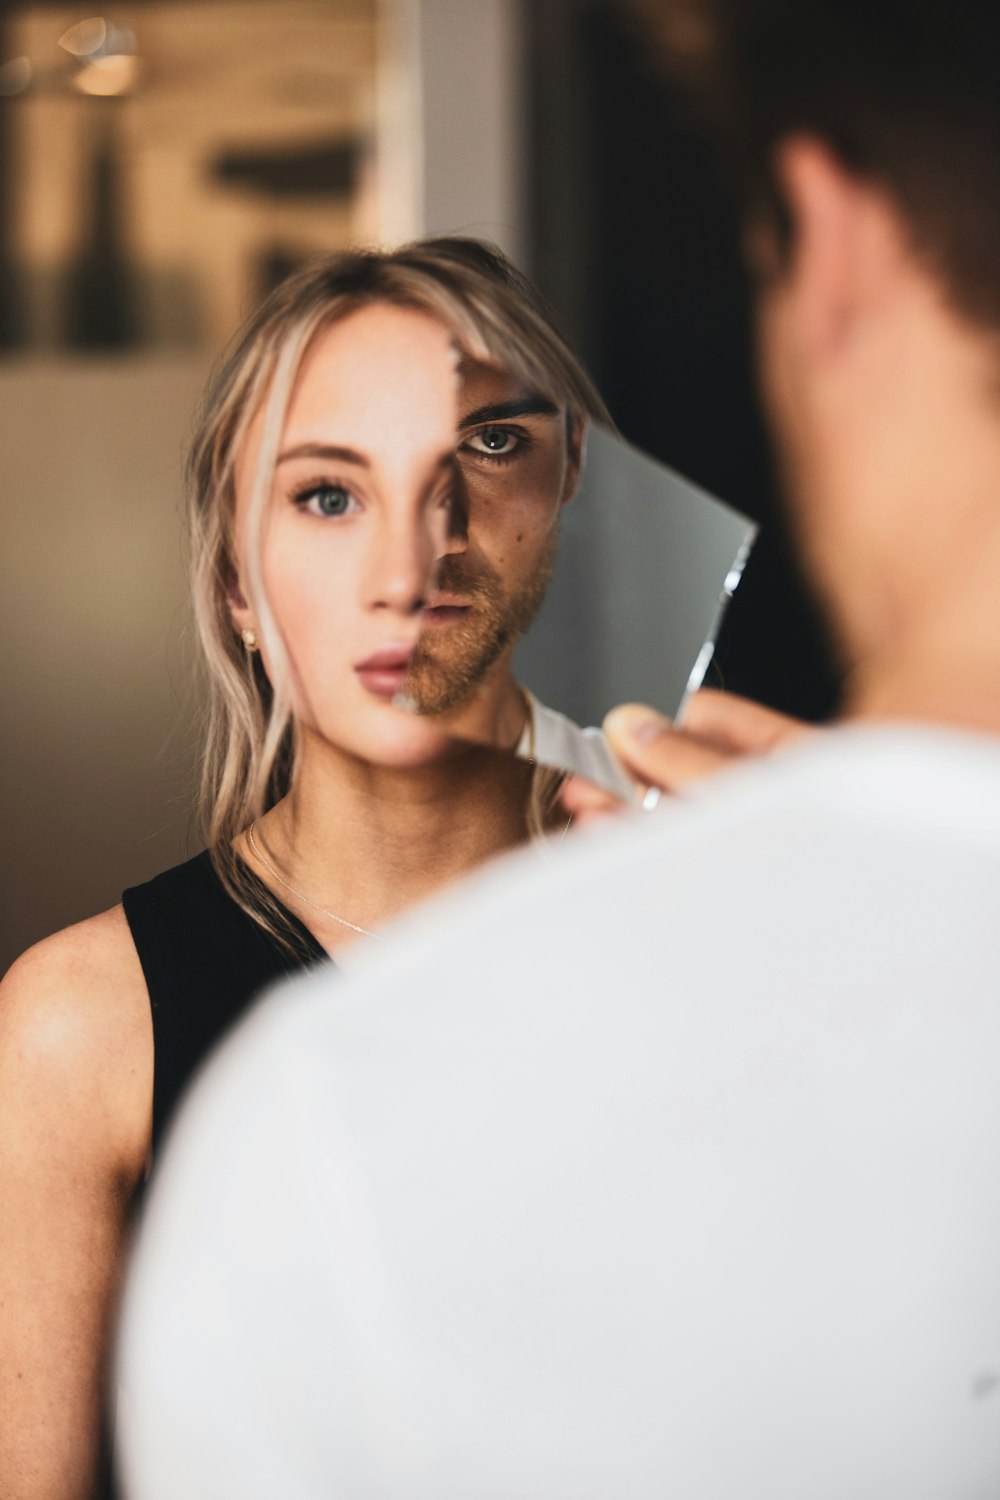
[(324, 450), (502, 411)]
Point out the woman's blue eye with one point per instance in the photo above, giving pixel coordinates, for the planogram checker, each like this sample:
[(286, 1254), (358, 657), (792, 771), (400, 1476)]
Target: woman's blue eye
[(327, 499)]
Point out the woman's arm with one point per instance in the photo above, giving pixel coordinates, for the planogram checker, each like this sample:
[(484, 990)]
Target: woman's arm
[(76, 1063)]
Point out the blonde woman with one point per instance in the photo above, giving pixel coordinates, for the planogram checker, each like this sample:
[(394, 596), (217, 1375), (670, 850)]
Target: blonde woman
[(326, 490)]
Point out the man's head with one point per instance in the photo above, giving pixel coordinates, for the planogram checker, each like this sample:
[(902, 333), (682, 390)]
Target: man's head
[(902, 92), (864, 138)]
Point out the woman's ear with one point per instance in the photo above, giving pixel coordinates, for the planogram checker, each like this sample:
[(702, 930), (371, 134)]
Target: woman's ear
[(576, 452), (239, 610)]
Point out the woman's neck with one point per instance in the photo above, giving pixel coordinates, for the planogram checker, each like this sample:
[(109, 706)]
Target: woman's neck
[(365, 842)]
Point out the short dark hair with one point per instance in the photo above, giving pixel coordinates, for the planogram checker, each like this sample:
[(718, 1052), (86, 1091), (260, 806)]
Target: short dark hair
[(904, 92)]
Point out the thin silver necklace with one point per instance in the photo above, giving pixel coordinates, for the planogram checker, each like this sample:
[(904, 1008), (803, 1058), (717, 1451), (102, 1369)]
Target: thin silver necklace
[(314, 904)]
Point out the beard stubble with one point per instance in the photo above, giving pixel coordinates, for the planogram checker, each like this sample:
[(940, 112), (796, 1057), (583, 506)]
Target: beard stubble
[(450, 661)]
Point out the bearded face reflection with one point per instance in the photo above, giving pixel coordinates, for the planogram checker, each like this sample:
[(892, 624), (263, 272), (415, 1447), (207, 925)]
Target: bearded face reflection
[(451, 660), (517, 461)]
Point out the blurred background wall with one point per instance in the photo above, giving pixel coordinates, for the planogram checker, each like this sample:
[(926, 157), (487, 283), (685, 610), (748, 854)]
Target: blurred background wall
[(161, 165)]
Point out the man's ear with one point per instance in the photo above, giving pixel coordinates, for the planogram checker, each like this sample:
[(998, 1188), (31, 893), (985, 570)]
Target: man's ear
[(576, 452), (831, 212)]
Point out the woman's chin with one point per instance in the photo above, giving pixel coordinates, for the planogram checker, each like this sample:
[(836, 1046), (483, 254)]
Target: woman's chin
[(404, 742), (413, 756)]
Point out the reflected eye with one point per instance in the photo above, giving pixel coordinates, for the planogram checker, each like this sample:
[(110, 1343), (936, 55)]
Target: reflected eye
[(326, 500), (494, 442)]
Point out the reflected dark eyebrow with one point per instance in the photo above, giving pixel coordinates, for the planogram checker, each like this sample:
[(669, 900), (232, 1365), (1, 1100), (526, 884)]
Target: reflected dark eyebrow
[(502, 411), (324, 450)]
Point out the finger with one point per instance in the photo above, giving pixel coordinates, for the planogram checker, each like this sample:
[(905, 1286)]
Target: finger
[(656, 754), (586, 802), (739, 724)]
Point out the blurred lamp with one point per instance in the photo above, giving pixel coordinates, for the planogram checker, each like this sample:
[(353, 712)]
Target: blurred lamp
[(105, 77)]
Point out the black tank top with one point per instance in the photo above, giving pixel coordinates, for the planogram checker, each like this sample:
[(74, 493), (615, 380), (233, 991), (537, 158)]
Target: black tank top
[(204, 960)]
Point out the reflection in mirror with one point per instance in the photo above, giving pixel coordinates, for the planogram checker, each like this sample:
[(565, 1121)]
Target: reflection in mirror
[(611, 576)]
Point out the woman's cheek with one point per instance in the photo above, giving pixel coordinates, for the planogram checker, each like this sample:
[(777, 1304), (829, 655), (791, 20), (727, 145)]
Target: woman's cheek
[(313, 595), (305, 572)]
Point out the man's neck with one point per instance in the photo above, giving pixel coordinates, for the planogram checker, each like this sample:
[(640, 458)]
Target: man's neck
[(905, 492), (496, 714), (942, 664)]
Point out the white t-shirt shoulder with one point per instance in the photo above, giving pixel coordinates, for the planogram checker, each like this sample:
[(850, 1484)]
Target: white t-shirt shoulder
[(561, 743), (668, 1165)]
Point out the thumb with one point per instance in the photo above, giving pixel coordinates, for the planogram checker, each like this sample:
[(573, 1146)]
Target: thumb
[(635, 724), (657, 754)]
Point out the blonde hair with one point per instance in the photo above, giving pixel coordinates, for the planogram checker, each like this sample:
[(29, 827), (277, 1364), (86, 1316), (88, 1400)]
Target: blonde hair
[(494, 315)]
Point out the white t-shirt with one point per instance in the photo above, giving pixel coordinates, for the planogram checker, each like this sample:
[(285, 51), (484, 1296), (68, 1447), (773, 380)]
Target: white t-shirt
[(668, 1167), (557, 741)]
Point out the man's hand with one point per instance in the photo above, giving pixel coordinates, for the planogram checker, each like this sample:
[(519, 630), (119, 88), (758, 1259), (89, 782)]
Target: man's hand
[(719, 729)]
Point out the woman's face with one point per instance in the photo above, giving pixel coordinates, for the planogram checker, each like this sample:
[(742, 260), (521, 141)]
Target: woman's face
[(374, 588), (355, 523)]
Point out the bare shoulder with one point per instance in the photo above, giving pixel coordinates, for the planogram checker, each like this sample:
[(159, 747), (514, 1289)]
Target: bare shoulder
[(76, 1041), (75, 1102), (79, 989)]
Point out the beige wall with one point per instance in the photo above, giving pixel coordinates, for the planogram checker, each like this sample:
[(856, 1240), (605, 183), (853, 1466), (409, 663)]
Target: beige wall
[(96, 754), (472, 108)]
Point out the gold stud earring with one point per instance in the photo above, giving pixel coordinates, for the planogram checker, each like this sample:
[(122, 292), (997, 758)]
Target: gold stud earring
[(249, 639)]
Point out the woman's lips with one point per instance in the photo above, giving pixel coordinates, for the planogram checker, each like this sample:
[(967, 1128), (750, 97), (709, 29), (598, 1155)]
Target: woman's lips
[(384, 672)]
